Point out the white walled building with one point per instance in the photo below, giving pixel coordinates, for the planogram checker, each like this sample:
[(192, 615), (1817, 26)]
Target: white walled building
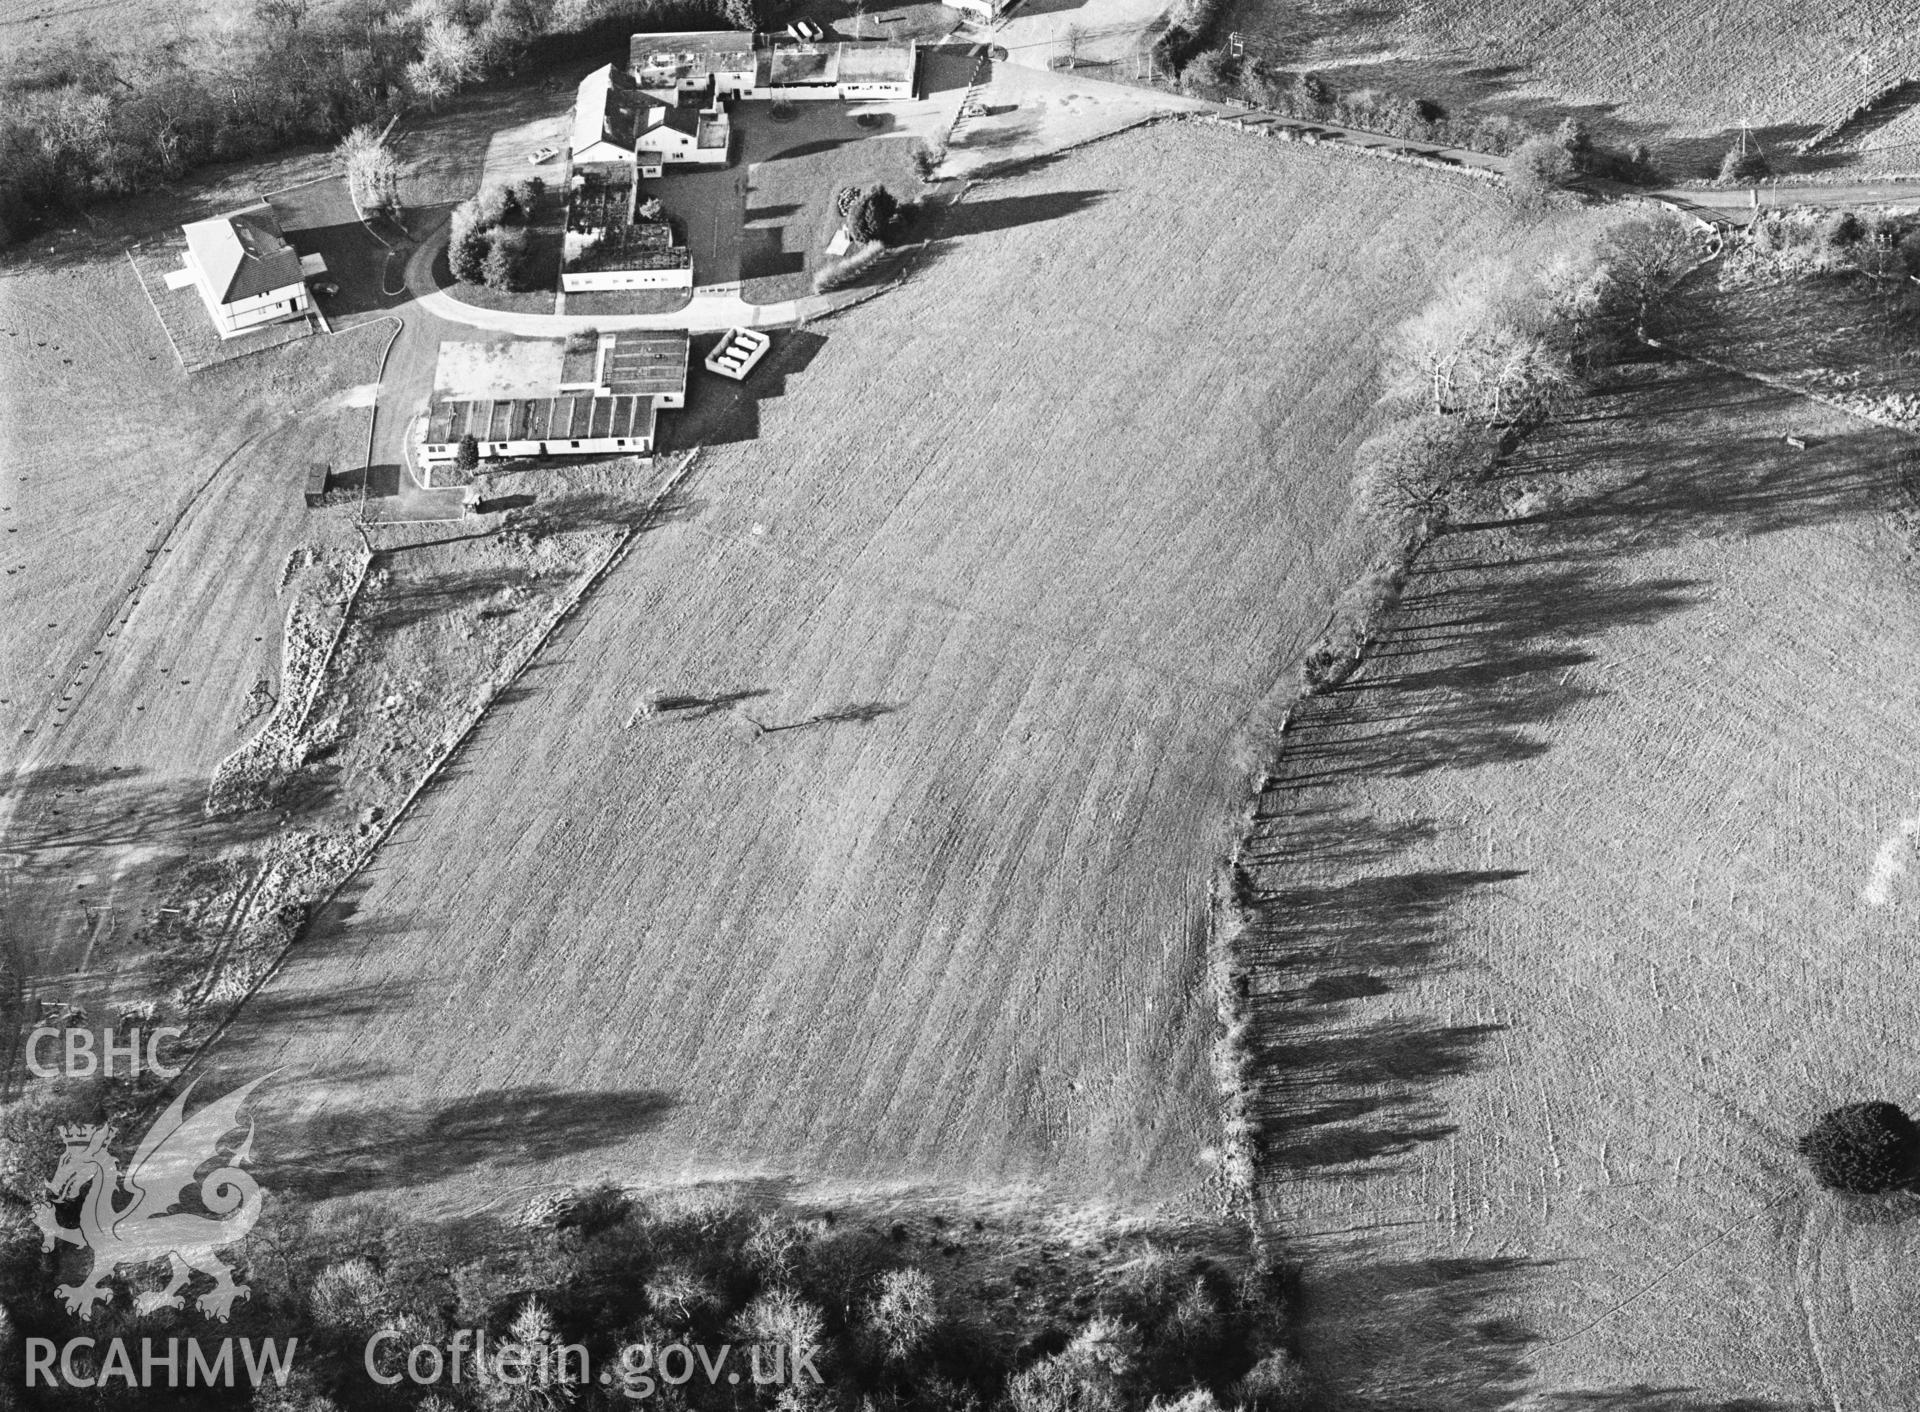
[(245, 271), (547, 397), (615, 120)]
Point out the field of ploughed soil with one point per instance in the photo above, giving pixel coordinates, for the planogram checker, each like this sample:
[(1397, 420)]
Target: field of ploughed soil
[(865, 823), (1581, 902), (1646, 69)]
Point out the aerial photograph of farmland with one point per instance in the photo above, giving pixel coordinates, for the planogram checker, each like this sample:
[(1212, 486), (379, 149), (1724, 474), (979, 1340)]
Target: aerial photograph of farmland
[(977, 706)]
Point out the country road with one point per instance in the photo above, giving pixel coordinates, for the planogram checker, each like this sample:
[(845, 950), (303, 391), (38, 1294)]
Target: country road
[(1737, 205)]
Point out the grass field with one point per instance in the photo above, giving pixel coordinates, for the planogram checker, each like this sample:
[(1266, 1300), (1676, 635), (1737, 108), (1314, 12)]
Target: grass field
[(1635, 69), (958, 651), (149, 518), (1580, 903)]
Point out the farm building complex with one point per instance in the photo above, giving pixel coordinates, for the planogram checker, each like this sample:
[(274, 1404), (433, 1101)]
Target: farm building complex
[(617, 121), (541, 397), (246, 273), (669, 107), (722, 65)]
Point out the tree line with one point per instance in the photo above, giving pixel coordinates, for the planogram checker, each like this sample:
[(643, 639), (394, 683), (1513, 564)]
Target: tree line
[(1497, 351), (932, 1307), (84, 120)]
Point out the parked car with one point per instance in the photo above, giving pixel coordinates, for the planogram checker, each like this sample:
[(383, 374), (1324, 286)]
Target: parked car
[(542, 154), (806, 30), (326, 289)]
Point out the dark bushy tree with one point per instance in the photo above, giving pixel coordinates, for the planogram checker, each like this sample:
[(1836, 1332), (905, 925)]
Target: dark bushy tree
[(1863, 1147), (1539, 167), (468, 456), (467, 253), (1210, 72), (505, 266), (873, 216), (1748, 164)]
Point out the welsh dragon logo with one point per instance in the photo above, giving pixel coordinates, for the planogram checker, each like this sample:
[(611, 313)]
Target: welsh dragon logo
[(148, 1227)]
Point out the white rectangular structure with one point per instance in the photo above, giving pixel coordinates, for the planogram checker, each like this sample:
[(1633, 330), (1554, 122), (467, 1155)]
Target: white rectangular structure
[(738, 353)]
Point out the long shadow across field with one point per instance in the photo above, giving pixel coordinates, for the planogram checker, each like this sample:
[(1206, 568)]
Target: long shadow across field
[(347, 1153), (1345, 916), (71, 829)]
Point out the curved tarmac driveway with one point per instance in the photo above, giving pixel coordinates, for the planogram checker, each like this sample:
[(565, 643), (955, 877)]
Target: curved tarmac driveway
[(704, 313)]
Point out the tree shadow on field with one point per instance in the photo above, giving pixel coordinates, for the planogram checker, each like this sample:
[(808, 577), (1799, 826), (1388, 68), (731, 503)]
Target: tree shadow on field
[(964, 218), (1496, 635), (1351, 900), (1682, 451), (1645, 1398), (82, 840), (720, 411), (1435, 1334), (347, 1152)]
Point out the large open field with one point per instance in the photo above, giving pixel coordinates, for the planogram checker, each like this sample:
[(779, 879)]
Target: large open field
[(966, 632), (1584, 900), (1660, 73)]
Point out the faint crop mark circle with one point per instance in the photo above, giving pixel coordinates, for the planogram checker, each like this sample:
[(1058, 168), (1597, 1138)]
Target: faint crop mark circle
[(783, 112)]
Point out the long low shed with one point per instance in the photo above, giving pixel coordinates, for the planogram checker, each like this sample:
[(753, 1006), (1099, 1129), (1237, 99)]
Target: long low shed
[(537, 426)]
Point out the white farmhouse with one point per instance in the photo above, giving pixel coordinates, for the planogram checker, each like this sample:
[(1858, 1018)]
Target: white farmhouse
[(615, 120), (245, 271)]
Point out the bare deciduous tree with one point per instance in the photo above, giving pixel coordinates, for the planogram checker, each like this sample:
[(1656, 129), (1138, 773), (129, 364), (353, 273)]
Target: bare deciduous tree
[(1644, 257), (373, 171)]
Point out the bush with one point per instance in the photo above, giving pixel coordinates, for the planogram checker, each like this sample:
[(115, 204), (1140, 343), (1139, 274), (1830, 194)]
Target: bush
[(1863, 1148), (874, 216), (467, 253), (492, 206), (505, 266), (468, 456), (1841, 229), (1540, 166), (1277, 1384), (836, 274), (904, 1314), (1315, 94), (1749, 164), (1211, 72), (927, 157), (1574, 140)]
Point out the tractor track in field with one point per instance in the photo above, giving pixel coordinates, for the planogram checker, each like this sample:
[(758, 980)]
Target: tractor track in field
[(77, 679)]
